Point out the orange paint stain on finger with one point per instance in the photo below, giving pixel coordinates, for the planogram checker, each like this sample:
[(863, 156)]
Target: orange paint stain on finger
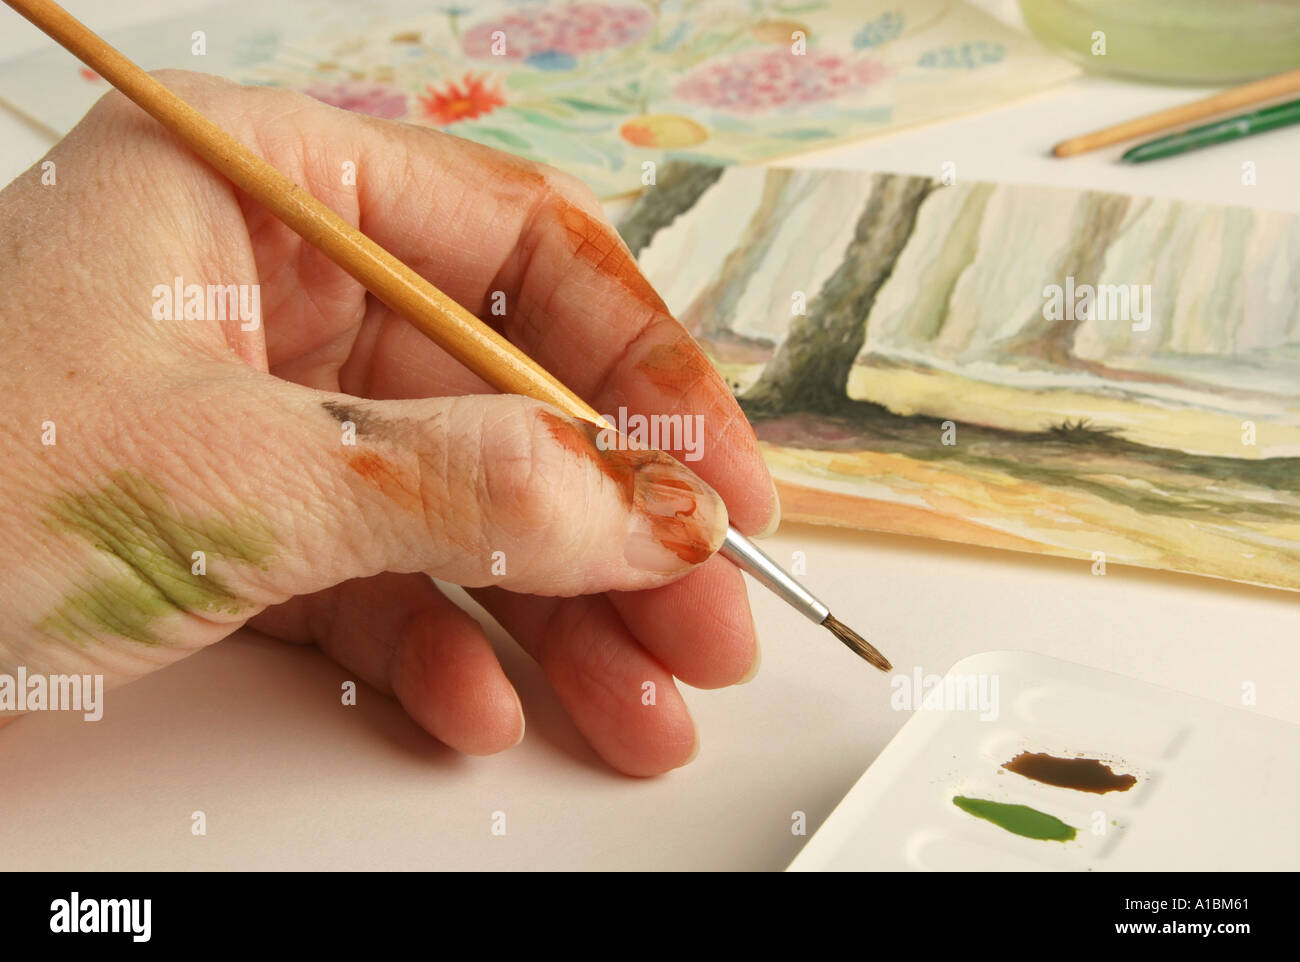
[(397, 486), (671, 505), (650, 483), (579, 438), (514, 181), (601, 247), (681, 370), (680, 367)]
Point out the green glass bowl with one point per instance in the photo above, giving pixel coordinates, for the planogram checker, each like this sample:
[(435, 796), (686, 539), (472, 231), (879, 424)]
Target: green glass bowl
[(1204, 42)]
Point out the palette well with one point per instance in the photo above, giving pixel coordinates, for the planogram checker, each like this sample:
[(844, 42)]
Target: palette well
[(1080, 770)]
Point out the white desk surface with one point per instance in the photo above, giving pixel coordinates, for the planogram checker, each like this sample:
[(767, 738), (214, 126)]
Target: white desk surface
[(251, 732)]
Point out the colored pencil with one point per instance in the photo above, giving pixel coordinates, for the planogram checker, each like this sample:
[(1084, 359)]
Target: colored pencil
[(1218, 132)]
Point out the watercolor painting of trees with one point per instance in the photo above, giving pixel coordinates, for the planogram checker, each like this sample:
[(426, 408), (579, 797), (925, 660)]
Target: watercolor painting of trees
[(1057, 371)]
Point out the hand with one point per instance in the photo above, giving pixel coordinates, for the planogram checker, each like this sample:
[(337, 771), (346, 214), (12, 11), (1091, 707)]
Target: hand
[(303, 466)]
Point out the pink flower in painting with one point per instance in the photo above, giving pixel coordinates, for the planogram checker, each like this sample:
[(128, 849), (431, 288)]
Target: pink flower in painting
[(373, 99), (89, 75), (770, 79), (551, 38)]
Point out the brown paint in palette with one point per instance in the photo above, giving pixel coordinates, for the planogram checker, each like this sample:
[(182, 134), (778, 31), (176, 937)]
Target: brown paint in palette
[(1080, 774)]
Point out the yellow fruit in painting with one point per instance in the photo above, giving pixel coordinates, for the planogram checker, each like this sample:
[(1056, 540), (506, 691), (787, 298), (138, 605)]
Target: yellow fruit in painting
[(777, 31), (668, 131)]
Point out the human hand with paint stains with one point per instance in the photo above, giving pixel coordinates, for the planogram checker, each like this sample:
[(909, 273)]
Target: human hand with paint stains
[(302, 471)]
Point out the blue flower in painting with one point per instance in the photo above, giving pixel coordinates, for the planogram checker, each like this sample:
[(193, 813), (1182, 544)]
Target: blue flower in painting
[(455, 11), (968, 56), (887, 26), (551, 60)]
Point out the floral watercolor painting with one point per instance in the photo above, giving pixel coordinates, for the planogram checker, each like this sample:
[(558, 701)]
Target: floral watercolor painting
[(596, 88), (1067, 372)]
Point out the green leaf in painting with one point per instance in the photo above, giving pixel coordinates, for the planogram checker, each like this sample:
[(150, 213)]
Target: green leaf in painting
[(592, 105), (871, 115), (507, 137), (725, 124), (799, 7), (538, 118), (622, 96), (805, 133)]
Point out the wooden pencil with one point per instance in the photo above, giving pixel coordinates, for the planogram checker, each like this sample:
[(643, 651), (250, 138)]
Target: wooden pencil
[(1246, 95)]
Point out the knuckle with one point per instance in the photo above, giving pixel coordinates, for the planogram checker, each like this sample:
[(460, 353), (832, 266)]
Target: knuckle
[(116, 106), (111, 109), (564, 187), (513, 492), (204, 91), (187, 79)]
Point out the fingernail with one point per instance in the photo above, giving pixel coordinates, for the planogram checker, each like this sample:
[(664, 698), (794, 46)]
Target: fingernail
[(695, 730), (775, 521), (758, 657), (677, 521), (523, 727)]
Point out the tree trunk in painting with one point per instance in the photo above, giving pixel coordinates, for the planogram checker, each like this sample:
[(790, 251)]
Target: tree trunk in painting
[(938, 439), (678, 186), (940, 278), (810, 371), (713, 310), (1095, 228)]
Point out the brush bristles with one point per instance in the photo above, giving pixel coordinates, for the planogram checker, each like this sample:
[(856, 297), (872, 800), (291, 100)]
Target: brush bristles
[(857, 643)]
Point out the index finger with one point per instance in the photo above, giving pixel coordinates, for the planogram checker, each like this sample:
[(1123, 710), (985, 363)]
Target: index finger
[(495, 231), (574, 300)]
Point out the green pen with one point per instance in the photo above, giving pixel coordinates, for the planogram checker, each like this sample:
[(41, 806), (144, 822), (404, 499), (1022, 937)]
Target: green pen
[(1256, 122)]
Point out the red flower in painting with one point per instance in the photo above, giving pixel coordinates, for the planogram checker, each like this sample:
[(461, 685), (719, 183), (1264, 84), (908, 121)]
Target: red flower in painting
[(472, 97)]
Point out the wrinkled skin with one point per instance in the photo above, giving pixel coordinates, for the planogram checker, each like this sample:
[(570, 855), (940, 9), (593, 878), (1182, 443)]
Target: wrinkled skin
[(172, 437)]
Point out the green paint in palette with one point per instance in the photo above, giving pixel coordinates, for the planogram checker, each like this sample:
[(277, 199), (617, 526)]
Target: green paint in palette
[(1017, 819)]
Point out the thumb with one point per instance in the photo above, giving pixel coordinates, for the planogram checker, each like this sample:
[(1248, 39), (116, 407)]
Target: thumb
[(475, 490)]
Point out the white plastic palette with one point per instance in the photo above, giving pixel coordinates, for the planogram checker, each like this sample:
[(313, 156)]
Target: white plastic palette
[(1217, 787)]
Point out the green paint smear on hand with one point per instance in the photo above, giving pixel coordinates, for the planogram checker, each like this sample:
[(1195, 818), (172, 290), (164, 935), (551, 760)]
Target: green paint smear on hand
[(133, 521), (1019, 819)]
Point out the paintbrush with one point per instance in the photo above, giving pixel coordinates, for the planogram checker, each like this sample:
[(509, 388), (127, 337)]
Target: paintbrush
[(453, 328)]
